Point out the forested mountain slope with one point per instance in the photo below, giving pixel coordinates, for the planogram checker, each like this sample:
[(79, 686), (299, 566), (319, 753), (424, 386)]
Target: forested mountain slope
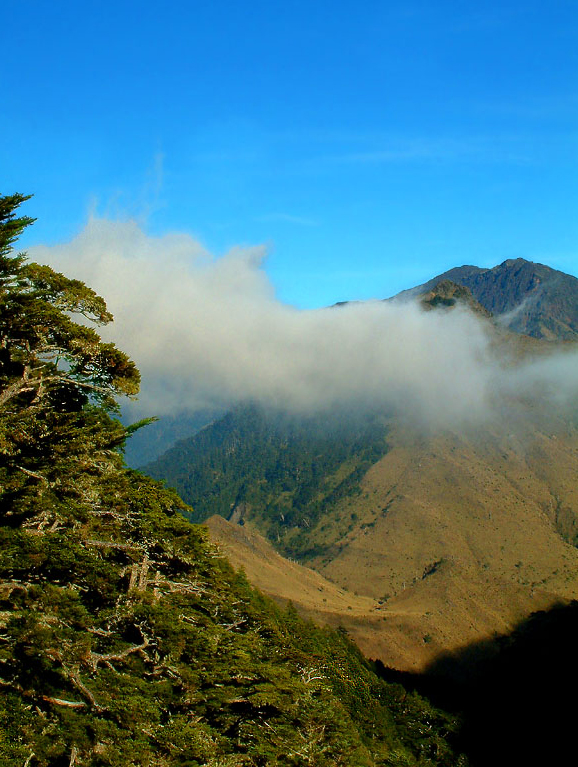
[(285, 472), (125, 637)]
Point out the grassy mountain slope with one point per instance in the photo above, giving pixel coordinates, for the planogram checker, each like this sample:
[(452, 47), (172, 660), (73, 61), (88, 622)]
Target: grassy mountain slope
[(451, 538), (286, 580), (462, 537)]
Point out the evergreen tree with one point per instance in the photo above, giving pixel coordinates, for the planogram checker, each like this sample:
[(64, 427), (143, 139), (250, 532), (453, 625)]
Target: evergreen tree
[(58, 380)]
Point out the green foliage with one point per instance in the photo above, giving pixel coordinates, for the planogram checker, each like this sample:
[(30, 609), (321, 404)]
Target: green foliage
[(125, 638)]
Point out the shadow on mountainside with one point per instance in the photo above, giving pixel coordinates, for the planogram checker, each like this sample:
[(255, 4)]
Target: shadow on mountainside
[(515, 693)]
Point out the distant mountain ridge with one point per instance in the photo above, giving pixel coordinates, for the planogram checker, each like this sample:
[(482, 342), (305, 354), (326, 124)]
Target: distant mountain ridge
[(526, 297)]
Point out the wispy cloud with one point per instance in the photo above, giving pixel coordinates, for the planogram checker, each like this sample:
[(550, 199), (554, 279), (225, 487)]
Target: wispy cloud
[(150, 196), (491, 148), (139, 201), (523, 145)]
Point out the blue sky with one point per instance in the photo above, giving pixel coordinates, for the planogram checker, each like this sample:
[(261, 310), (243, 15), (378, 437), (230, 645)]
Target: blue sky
[(370, 145)]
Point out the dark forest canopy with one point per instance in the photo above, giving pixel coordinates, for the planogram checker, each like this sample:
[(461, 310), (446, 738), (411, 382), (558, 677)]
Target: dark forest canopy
[(125, 637)]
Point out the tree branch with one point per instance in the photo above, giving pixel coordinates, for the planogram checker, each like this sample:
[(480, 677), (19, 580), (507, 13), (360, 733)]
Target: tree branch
[(62, 702), (33, 474), (96, 658)]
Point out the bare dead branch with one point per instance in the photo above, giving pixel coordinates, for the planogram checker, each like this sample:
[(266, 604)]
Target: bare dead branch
[(231, 626), (33, 474), (182, 587), (112, 545), (96, 658), (62, 702), (77, 682), (142, 580), (18, 387), (100, 632)]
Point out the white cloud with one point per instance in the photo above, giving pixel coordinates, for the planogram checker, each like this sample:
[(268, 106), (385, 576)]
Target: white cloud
[(210, 331)]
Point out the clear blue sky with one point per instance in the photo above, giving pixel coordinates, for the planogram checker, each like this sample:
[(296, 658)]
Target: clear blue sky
[(371, 144)]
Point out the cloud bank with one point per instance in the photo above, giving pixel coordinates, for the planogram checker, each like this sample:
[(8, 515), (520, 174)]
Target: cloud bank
[(208, 331)]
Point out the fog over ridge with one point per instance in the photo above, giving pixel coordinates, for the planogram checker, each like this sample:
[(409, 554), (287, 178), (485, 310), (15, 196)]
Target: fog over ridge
[(209, 331)]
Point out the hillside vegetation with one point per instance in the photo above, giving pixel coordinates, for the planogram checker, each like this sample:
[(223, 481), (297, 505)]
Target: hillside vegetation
[(125, 637)]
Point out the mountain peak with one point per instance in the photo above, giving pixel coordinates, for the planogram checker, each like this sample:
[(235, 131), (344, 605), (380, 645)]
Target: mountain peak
[(524, 296), (511, 261)]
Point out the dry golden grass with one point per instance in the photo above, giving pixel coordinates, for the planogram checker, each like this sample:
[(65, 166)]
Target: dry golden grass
[(452, 539)]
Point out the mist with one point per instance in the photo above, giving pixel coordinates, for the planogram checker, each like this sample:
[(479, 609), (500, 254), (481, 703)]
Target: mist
[(209, 332)]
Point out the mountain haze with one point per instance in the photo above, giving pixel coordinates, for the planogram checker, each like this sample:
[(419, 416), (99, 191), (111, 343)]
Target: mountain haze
[(434, 538)]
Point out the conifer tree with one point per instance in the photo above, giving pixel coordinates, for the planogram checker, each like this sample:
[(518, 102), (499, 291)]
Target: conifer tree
[(56, 375)]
